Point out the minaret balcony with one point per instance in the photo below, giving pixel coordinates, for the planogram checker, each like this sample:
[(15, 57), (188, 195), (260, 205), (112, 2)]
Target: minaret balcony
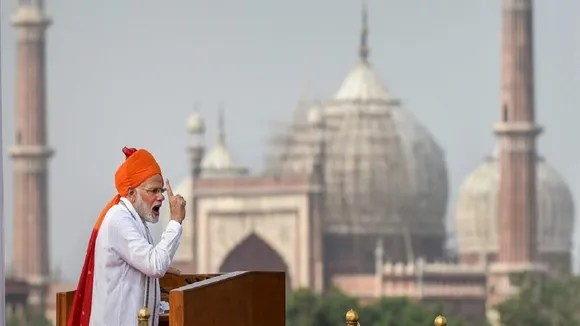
[(30, 151), (517, 128)]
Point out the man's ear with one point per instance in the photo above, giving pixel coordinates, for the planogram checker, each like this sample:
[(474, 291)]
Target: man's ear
[(131, 192)]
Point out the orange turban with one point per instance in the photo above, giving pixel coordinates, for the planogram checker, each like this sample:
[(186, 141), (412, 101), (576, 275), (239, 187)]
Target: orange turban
[(139, 166)]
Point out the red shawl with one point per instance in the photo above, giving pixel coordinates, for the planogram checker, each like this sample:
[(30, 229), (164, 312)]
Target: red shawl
[(139, 166)]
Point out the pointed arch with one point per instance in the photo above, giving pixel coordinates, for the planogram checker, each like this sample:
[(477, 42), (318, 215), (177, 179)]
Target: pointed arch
[(253, 253)]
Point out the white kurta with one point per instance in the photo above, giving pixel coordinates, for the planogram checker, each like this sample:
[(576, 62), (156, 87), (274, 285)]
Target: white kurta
[(125, 260)]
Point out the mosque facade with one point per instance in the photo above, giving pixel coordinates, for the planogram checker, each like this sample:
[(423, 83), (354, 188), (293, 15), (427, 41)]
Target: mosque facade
[(355, 196)]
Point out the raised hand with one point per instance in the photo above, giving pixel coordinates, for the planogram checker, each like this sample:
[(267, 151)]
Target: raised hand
[(176, 204), (173, 271)]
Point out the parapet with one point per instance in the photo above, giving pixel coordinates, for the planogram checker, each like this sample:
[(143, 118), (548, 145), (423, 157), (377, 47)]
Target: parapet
[(420, 266)]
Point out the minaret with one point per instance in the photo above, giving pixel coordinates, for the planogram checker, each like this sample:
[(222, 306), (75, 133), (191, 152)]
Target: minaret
[(196, 150), (30, 152), (379, 268), (317, 122), (517, 132)]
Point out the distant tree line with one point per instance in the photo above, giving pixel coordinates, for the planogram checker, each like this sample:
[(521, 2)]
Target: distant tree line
[(541, 303), (305, 308), (31, 318)]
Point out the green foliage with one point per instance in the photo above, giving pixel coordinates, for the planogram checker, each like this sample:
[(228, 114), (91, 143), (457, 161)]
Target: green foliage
[(553, 303), (307, 309), (301, 308), (33, 318), (12, 321)]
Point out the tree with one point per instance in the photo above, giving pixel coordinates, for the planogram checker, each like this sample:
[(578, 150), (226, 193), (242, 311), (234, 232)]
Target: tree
[(332, 308), (307, 309), (400, 311), (552, 303), (301, 308), (33, 318)]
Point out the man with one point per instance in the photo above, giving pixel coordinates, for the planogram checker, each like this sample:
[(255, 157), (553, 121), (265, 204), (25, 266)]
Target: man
[(122, 266)]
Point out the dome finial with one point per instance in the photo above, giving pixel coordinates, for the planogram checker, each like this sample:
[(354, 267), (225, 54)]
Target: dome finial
[(364, 49), (221, 125)]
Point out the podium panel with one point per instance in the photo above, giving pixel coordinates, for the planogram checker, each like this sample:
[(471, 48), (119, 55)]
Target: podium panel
[(238, 298)]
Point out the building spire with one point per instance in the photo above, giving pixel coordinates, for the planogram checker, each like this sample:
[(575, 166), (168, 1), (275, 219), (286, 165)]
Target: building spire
[(221, 126), (517, 133), (31, 152), (364, 49)]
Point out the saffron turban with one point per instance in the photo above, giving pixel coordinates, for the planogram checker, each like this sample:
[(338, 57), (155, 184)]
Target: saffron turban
[(139, 166)]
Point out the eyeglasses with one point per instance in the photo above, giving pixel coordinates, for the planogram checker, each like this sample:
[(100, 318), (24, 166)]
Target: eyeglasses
[(154, 191)]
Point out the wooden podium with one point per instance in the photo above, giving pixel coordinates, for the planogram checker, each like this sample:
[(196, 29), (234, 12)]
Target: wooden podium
[(238, 298)]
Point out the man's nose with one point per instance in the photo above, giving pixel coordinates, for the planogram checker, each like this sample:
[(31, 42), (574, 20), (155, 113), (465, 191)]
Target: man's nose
[(160, 197)]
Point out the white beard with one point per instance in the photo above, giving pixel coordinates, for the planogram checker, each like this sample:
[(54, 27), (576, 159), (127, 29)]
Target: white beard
[(144, 212)]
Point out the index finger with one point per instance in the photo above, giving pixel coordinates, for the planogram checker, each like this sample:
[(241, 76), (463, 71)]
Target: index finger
[(169, 191)]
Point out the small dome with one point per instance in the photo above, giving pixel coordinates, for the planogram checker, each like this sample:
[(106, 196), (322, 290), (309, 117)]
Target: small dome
[(219, 163), (315, 116), (195, 124), (476, 214), (185, 252)]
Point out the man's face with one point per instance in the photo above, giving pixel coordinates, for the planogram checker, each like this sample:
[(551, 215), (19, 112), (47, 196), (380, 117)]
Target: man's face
[(148, 199)]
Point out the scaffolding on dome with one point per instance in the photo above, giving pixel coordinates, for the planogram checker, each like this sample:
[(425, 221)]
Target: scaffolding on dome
[(352, 152)]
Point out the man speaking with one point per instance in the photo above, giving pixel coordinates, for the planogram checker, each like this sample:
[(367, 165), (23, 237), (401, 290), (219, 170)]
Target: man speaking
[(122, 266)]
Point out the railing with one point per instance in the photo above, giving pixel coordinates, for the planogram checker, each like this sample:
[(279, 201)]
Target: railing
[(351, 318)]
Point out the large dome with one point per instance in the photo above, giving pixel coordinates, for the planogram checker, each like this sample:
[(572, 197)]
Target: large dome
[(476, 215), (384, 171)]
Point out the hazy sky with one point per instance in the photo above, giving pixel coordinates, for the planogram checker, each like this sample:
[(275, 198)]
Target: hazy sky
[(129, 73)]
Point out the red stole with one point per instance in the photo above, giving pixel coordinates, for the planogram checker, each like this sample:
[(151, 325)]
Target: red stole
[(82, 304)]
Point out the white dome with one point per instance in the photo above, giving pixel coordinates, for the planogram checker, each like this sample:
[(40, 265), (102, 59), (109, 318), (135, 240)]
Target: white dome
[(186, 250), (392, 168), (362, 84), (476, 214), (195, 124), (383, 168), (219, 163), (315, 116), (384, 172)]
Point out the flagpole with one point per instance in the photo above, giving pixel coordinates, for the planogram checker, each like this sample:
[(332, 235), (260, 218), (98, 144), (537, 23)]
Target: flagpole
[(2, 231)]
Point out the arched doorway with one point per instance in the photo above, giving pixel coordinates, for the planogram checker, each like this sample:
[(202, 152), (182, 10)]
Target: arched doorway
[(254, 254)]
